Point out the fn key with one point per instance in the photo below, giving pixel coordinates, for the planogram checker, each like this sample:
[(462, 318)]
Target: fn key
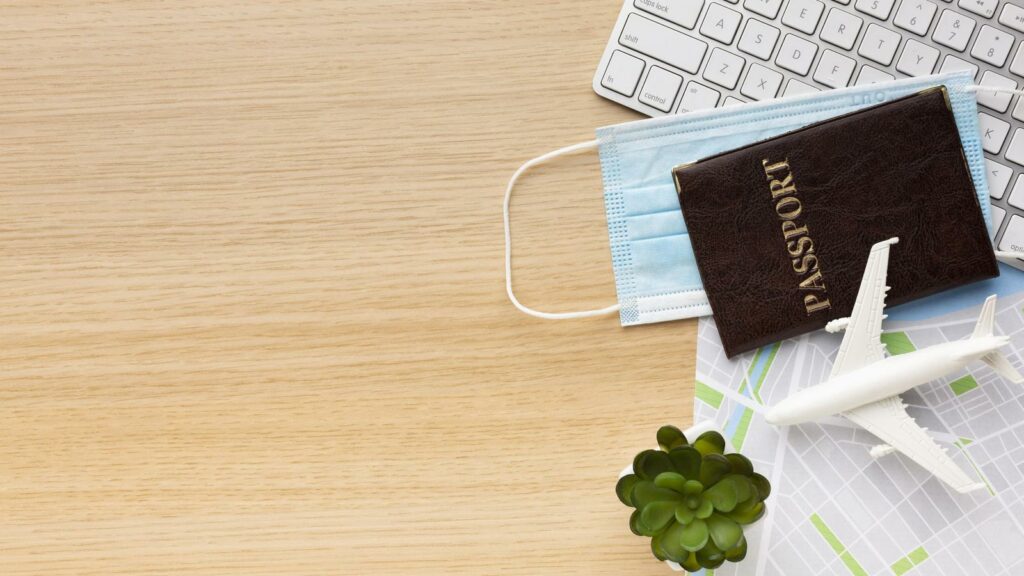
[(623, 73)]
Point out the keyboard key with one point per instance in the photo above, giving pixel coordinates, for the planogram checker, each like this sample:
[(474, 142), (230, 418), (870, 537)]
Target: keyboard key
[(660, 88), (834, 70), (841, 28), (1017, 66), (998, 177), (992, 46), (698, 97), (952, 63), (953, 30), (997, 217), (995, 100), (984, 8), (879, 44), (659, 41), (682, 12), (870, 75), (878, 8), (1015, 151), (915, 16), (761, 83), (1013, 237), (1017, 194), (767, 8), (1012, 17), (724, 68), (796, 54), (917, 59), (795, 87), (758, 39), (622, 73), (720, 23), (843, 2), (1018, 110), (993, 133), (730, 101), (803, 15)]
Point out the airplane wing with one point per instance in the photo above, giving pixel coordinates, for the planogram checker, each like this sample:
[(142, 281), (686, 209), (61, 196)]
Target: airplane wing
[(861, 344), (888, 419)]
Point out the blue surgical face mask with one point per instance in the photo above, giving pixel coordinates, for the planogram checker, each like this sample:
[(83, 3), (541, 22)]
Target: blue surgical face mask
[(656, 274)]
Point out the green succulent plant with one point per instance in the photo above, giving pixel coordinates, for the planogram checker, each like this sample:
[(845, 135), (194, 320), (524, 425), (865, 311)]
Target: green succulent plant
[(693, 499)]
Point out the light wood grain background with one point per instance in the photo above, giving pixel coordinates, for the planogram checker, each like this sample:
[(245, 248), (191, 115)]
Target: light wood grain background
[(252, 317)]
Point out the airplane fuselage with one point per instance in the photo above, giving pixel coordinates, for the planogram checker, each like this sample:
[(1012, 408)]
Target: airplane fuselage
[(879, 380)]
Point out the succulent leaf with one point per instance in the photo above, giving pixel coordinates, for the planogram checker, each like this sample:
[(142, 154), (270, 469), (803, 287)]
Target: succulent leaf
[(683, 514), (694, 535), (669, 437), (634, 523), (740, 464), (691, 564), (645, 492), (624, 488), (713, 467), (764, 488), (686, 460), (693, 488), (747, 512), (671, 481), (722, 495), (724, 531), (737, 552), (744, 487), (706, 509), (672, 543), (710, 442), (710, 556), (656, 547), (656, 516), (649, 463)]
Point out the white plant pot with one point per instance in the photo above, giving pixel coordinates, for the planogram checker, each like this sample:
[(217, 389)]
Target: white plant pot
[(691, 434)]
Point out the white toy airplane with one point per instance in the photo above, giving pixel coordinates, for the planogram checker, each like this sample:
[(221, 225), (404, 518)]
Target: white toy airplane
[(865, 385)]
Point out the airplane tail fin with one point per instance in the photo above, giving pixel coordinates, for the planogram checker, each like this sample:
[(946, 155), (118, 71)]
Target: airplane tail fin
[(985, 319), (995, 359)]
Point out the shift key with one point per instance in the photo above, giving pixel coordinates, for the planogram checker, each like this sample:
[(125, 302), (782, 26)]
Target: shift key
[(658, 41)]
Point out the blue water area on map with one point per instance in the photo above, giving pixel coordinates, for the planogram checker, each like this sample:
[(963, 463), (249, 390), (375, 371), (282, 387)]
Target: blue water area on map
[(1010, 281)]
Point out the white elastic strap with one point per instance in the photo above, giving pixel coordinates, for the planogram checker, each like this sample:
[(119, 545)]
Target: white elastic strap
[(508, 240), (993, 89)]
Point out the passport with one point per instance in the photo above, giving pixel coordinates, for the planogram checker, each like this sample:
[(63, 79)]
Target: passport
[(781, 229)]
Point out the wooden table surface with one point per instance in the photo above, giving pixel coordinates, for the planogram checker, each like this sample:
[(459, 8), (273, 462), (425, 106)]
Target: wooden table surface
[(252, 312)]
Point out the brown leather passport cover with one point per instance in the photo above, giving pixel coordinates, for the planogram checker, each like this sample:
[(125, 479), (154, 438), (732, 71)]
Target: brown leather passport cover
[(781, 229)]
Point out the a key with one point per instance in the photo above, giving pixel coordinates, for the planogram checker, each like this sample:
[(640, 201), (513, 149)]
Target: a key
[(803, 15), (984, 8), (993, 133), (871, 75), (758, 39), (953, 30), (698, 97), (952, 63), (834, 70), (915, 16), (995, 100), (1017, 194), (997, 217), (1018, 110), (1012, 17), (724, 68), (761, 83), (1017, 65), (1013, 237), (659, 41), (767, 8), (879, 44), (998, 177), (682, 12), (622, 73), (841, 28), (795, 87), (1015, 151), (917, 59), (660, 88), (721, 23), (730, 101), (878, 8), (796, 54), (843, 2), (992, 45)]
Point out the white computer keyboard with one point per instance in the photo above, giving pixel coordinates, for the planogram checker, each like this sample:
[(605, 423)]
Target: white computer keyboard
[(673, 56)]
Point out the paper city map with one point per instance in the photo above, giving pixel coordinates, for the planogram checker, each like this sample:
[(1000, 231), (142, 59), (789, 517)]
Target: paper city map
[(836, 510)]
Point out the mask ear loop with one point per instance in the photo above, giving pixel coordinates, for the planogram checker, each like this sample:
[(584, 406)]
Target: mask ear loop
[(508, 239)]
